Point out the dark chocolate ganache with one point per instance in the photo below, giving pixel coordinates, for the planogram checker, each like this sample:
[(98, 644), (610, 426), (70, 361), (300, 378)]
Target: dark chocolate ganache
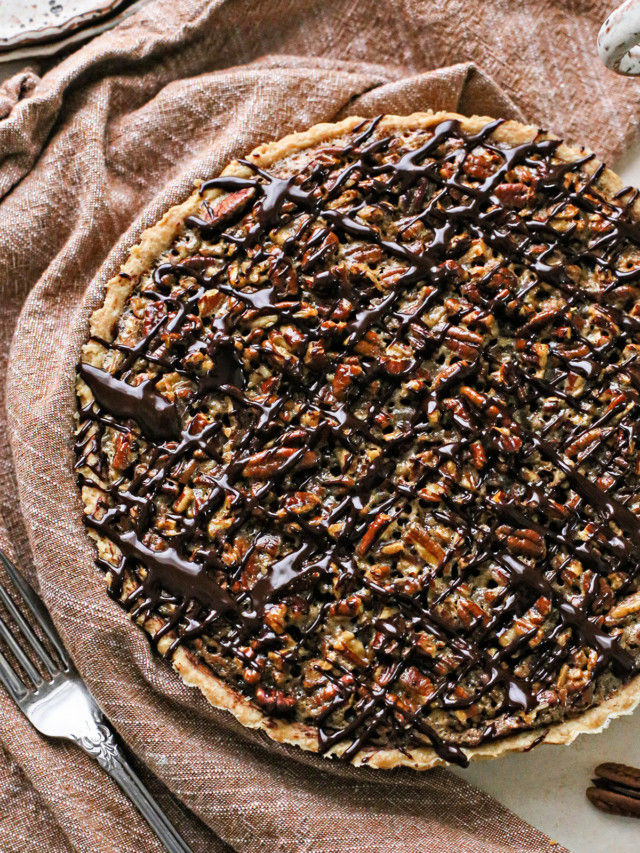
[(365, 438)]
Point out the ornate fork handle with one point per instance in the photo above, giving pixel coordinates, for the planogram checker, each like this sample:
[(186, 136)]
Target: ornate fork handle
[(61, 706), (101, 744)]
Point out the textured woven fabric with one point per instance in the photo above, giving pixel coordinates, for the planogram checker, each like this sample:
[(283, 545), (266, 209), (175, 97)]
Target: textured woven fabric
[(89, 156)]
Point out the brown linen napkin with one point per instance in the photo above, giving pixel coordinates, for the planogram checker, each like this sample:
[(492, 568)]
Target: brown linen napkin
[(120, 130)]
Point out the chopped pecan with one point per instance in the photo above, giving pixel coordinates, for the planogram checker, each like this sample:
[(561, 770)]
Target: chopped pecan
[(316, 356), (122, 455), (301, 503), (228, 207), (478, 455), (284, 278), (343, 378), (526, 543), (275, 615), (628, 605), (434, 492), (320, 250), (470, 290), (273, 700), (517, 195), (374, 531), (449, 374), (454, 271), (424, 544), (583, 443), (366, 254), (481, 164), (415, 682), (463, 341), (503, 279), (350, 606), (265, 464), (154, 313), (538, 322), (469, 612), (426, 644), (251, 676), (506, 440)]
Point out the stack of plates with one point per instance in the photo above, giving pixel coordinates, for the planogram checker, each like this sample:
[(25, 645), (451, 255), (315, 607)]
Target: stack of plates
[(44, 27)]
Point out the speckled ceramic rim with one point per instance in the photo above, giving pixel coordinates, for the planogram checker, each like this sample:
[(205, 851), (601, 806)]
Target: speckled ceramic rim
[(49, 31), (619, 39), (29, 47)]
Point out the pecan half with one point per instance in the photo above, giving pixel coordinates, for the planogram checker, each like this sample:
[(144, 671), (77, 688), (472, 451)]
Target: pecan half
[(514, 195), (526, 543), (619, 774), (265, 464), (230, 206), (616, 789), (614, 802)]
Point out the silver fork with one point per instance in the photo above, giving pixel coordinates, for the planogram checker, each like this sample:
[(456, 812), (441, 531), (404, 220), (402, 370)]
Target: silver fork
[(60, 706)]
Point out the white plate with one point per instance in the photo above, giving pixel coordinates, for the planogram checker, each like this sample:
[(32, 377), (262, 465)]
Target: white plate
[(44, 27)]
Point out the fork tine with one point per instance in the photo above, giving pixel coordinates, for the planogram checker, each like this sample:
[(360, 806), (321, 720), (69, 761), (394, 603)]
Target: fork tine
[(27, 632), (19, 654), (14, 687), (39, 611)]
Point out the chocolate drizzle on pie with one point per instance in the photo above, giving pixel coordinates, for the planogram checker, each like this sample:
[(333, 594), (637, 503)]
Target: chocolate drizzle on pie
[(454, 188), (157, 417)]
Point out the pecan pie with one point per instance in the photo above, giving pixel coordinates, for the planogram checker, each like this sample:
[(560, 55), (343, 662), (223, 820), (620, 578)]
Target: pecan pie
[(357, 439)]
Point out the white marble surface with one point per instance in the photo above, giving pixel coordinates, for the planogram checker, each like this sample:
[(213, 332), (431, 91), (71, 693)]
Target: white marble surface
[(546, 786)]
